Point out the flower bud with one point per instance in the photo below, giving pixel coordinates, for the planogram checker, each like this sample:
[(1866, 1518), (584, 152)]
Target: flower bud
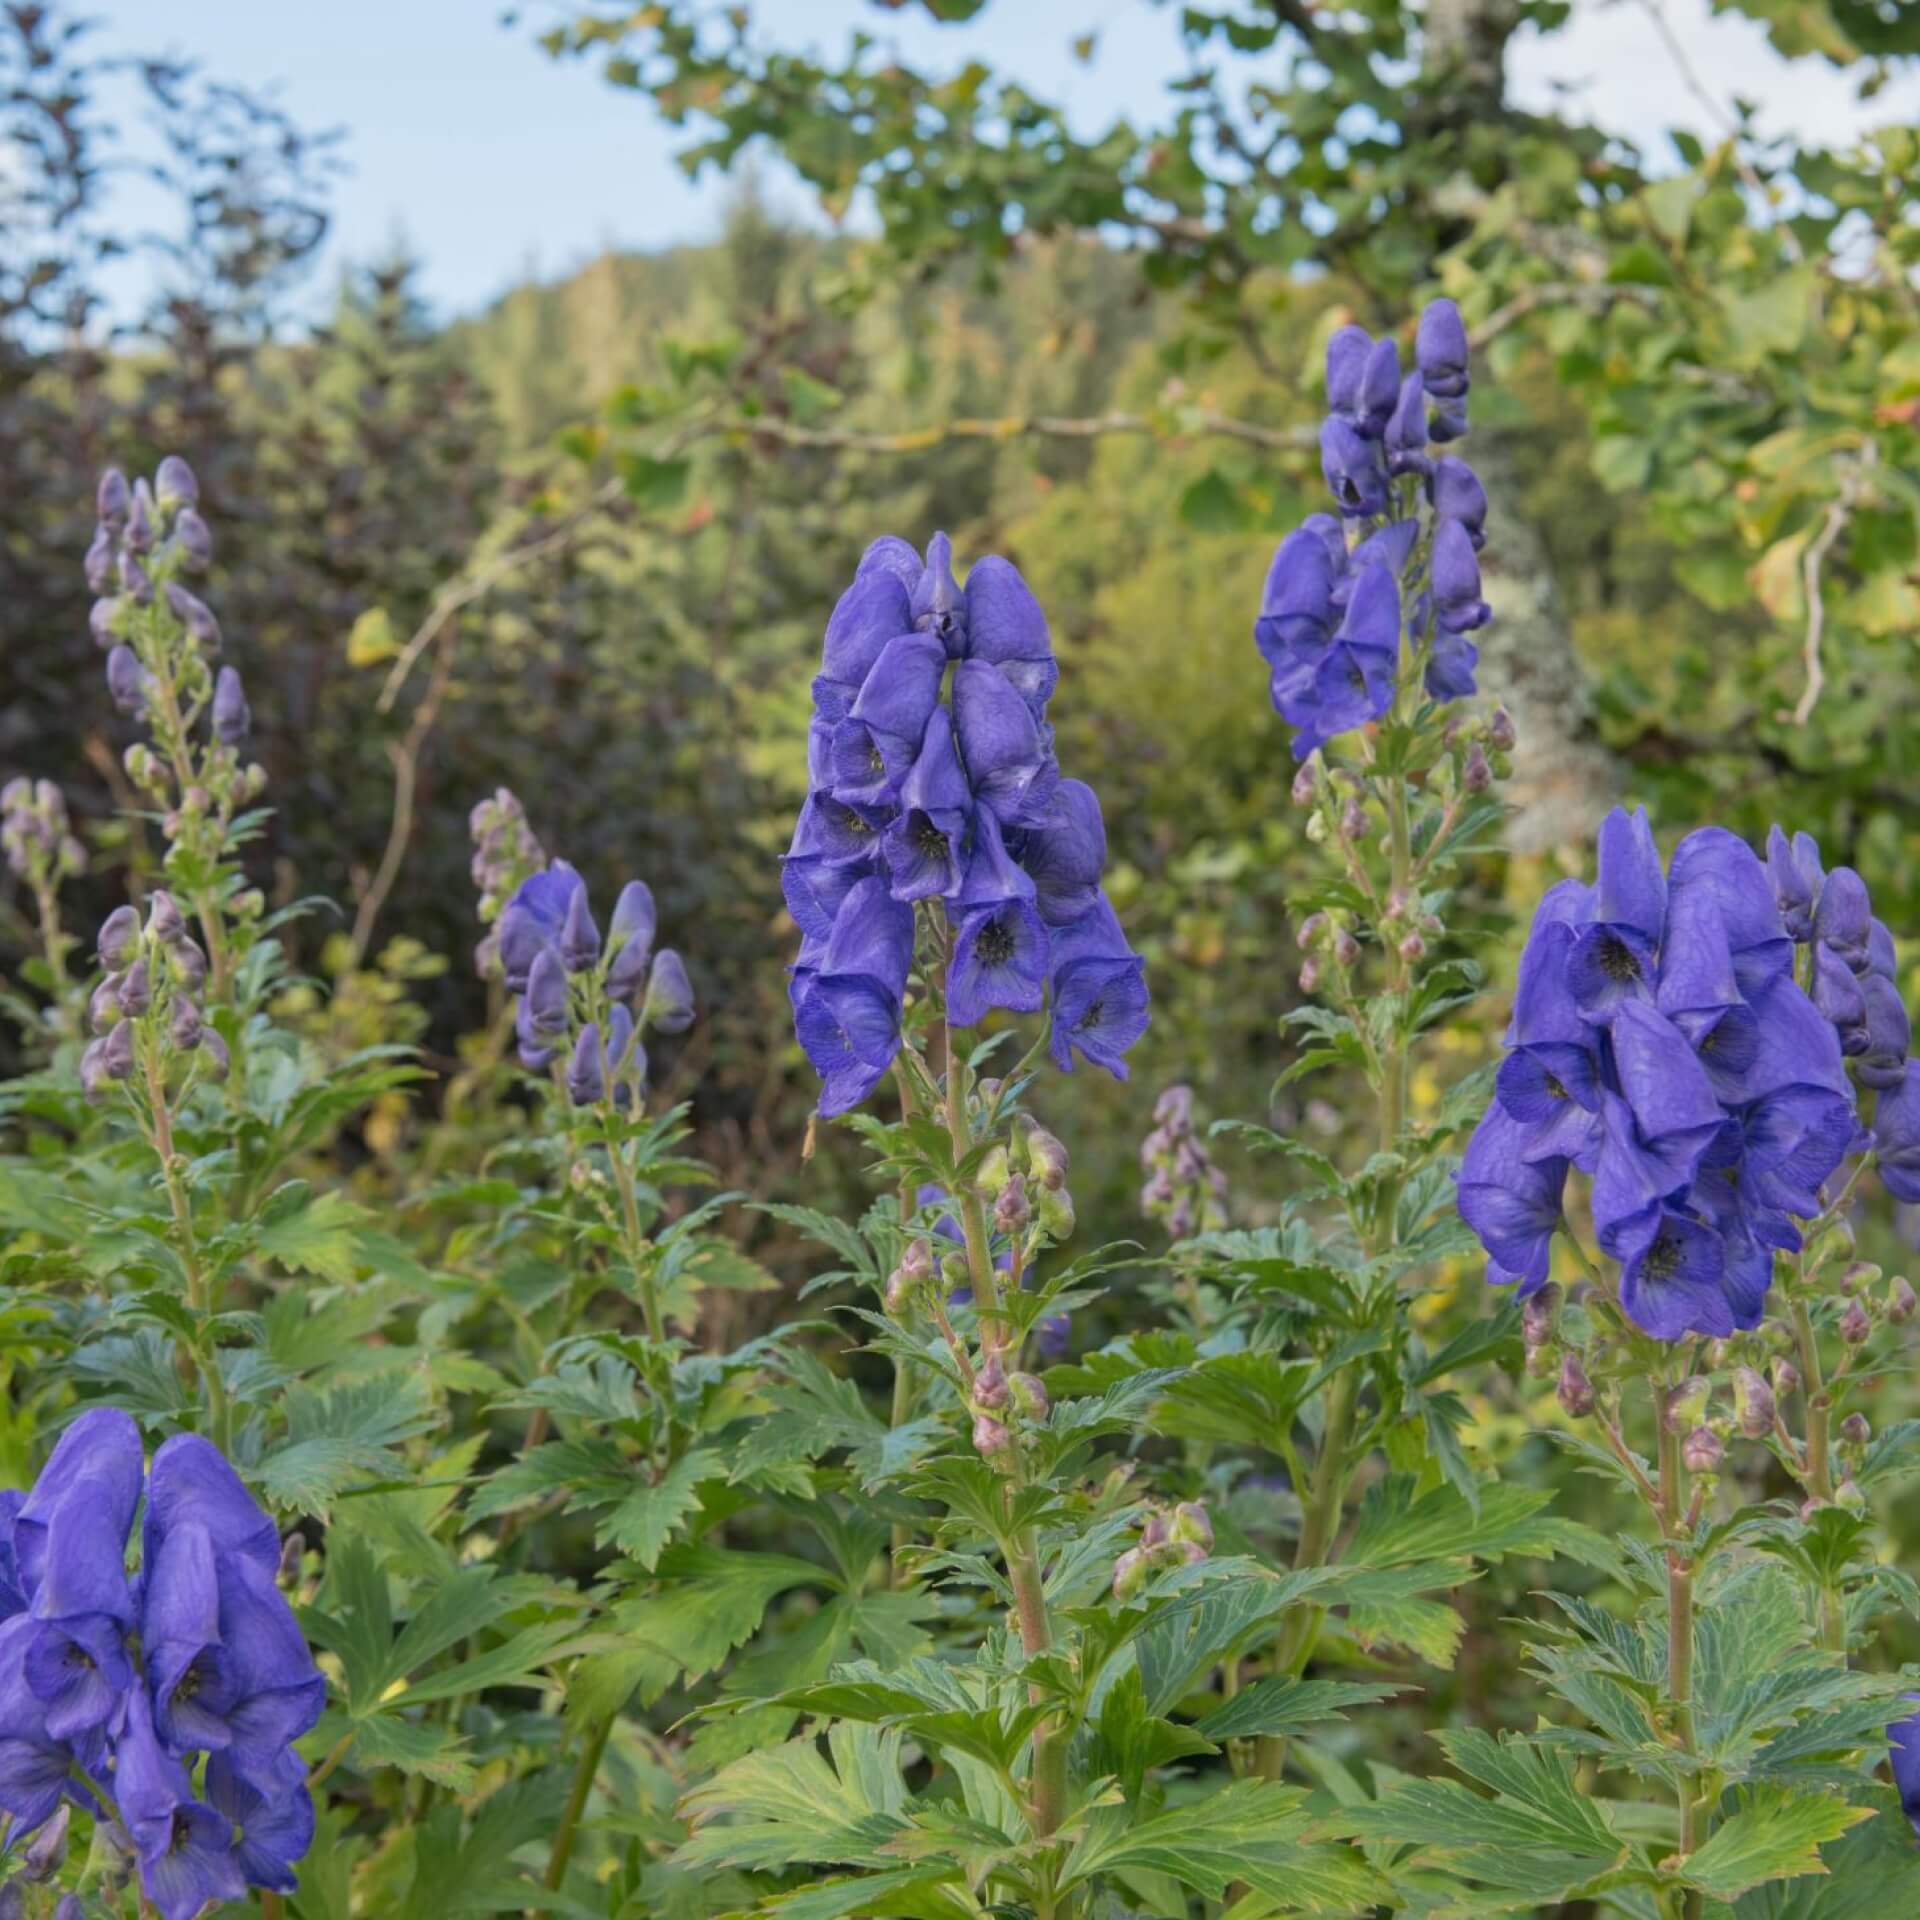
[(1901, 1300), (1848, 1497), (1011, 1211), (1155, 1533), (93, 1071), (195, 615), (669, 1003), (1538, 1311), (1353, 820), (113, 500), (990, 1384), (216, 1061), (954, 1271), (136, 990), (116, 1052), (1192, 1524), (232, 717), (579, 936), (194, 541), (1053, 1209), (1047, 1159), (103, 621), (47, 1849), (1030, 1397), (1686, 1405), (1130, 1573), (991, 1440), (994, 1169), (186, 1027), (586, 1075), (119, 939), (1316, 829), (1412, 948), (1856, 1324), (103, 1007), (189, 963), (1346, 949), (917, 1261), (1311, 928), (1576, 1390), (1786, 1378), (1306, 783), (174, 484), (68, 1907), (1702, 1450), (292, 1549), (127, 680), (99, 561), (164, 920), (1753, 1403), (1856, 1430), (1310, 976)]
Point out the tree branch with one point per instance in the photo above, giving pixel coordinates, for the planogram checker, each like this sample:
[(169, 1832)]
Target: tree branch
[(1852, 484)]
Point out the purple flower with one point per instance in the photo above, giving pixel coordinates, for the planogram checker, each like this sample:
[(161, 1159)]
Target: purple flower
[(1456, 493), (195, 615), (999, 960), (1794, 868), (579, 941), (232, 717), (1896, 1137), (1000, 743), (1007, 629), (1512, 1202), (1066, 854), (1611, 960), (1355, 469), (531, 921), (1100, 1003), (668, 1007), (631, 932), (1843, 918), (127, 680), (184, 1848), (1440, 351), (1363, 380), (271, 1815)]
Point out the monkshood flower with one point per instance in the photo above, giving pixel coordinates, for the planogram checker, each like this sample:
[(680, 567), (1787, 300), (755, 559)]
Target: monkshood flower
[(1186, 1187), (36, 835), (1396, 576), (1853, 971), (127, 1686), (1661, 1046), (505, 856), (1903, 1751), (932, 778), (586, 998), (145, 1013)]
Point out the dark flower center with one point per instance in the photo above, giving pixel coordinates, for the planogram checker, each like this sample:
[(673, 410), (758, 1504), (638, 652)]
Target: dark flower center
[(928, 841), (1556, 1089), (1091, 1018), (182, 1832), (995, 944), (1618, 961), (1663, 1257)]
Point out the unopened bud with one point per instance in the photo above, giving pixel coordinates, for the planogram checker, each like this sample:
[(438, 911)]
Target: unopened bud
[(1856, 1324), (116, 1052), (1476, 776), (990, 1385), (1412, 948), (1353, 820), (1847, 1495), (1310, 976), (1856, 1430), (1191, 1522), (1154, 1532), (991, 1440), (1786, 1378), (119, 939), (185, 1028), (103, 1008), (136, 990), (1859, 1277), (1538, 1312), (1030, 1396), (1130, 1573), (993, 1170), (1753, 1403), (954, 1272), (1576, 1390), (1011, 1211), (1686, 1405), (1047, 1158), (917, 1261), (1306, 783), (44, 1852), (216, 1062), (1702, 1451), (189, 963), (1053, 1210), (1346, 949), (292, 1548), (1311, 928), (174, 484), (1901, 1300), (164, 919)]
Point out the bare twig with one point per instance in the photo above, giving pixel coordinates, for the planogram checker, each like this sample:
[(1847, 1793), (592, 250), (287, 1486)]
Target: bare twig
[(1716, 110), (1852, 483)]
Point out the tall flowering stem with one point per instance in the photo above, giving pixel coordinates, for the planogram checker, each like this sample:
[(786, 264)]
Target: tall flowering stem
[(1365, 625), (1713, 1048), (161, 640)]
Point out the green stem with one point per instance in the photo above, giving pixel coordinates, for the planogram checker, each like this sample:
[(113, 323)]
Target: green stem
[(1680, 1572), (636, 1239), (583, 1777), (1833, 1620)]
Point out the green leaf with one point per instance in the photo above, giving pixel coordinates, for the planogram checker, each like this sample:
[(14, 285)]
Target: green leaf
[(311, 1233), (1776, 1835), (347, 1434), (1283, 1705), (1213, 504), (655, 485)]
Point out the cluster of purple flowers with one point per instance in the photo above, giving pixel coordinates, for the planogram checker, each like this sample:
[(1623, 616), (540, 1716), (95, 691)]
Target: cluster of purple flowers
[(36, 835), (1661, 1044), (1855, 982), (1186, 1187), (112, 1688), (1330, 625), (925, 788), (596, 1000), (151, 974), (505, 856), (146, 537)]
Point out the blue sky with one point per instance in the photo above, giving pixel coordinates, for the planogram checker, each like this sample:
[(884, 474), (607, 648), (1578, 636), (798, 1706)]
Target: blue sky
[(491, 161)]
